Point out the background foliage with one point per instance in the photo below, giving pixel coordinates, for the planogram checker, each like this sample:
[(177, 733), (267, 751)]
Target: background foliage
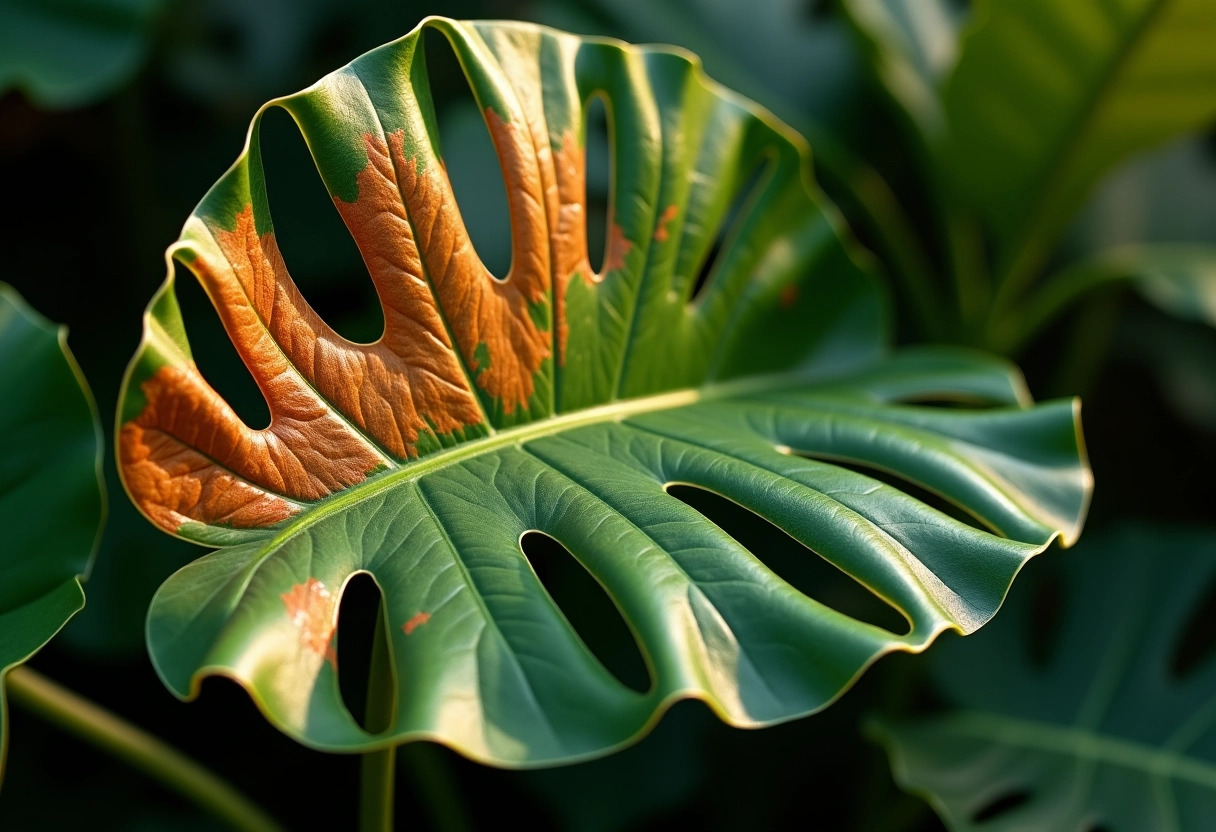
[(102, 175)]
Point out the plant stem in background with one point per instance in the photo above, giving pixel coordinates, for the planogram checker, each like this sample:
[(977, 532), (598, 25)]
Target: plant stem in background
[(378, 775), (155, 758), (376, 788)]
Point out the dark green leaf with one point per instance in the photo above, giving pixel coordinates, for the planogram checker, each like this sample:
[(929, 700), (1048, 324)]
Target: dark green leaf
[(1114, 729), (51, 494)]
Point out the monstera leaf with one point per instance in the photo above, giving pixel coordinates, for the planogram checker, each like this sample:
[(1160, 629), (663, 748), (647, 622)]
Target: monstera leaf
[(1048, 96), (51, 498), (564, 399), (1116, 730)]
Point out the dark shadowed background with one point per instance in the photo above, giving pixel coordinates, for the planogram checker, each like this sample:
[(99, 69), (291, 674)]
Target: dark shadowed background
[(100, 169)]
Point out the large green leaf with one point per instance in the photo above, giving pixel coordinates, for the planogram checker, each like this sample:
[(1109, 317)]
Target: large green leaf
[(1048, 96), (69, 53), (1107, 733), (565, 402), (51, 494)]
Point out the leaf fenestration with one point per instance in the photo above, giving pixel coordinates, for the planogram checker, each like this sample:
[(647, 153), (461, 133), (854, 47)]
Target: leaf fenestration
[(564, 402)]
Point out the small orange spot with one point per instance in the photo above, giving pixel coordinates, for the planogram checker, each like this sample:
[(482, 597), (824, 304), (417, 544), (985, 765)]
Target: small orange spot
[(669, 214), (416, 622), (311, 606), (617, 249), (789, 296)]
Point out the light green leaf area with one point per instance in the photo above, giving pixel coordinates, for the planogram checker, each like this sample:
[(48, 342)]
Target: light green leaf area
[(1047, 96), (911, 46), (1116, 729), (764, 387), (70, 53), (1177, 278), (51, 494), (1182, 281)]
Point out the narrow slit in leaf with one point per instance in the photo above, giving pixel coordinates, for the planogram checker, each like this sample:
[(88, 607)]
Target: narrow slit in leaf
[(802, 568), (319, 251), (735, 214), (467, 152), (599, 167), (215, 355), (918, 492), (588, 608), (1002, 805), (358, 618), (1197, 644)]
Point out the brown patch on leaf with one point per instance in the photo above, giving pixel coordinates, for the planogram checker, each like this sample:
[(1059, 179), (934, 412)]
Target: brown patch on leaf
[(188, 456), (173, 484), (311, 608), (569, 237), (789, 295), (417, 621), (616, 249), (479, 309), (385, 388), (669, 214)]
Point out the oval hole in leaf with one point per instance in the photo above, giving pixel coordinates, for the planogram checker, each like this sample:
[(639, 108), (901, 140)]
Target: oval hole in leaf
[(912, 489), (802, 568), (358, 620), (215, 355), (599, 167), (588, 608), (319, 251), (467, 151), (1197, 644), (1002, 805), (747, 189)]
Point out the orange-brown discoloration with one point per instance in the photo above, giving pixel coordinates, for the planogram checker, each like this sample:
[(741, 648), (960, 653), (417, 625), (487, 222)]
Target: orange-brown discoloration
[(414, 623), (615, 250), (568, 215), (480, 309), (312, 609), (789, 296), (385, 388), (189, 456), (173, 484), (669, 214)]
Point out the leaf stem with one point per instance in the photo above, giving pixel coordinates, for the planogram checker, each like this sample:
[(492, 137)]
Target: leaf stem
[(94, 724), (376, 790), (377, 780)]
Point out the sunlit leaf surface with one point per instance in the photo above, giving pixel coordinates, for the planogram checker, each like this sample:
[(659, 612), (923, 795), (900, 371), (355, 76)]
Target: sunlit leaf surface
[(565, 399)]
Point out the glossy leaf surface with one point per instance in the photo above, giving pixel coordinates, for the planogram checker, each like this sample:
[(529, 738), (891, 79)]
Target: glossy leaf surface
[(1115, 730), (564, 401), (51, 499), (1049, 96)]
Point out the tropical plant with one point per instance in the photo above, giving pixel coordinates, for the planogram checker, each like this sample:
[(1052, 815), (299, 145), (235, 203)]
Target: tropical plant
[(51, 495), (1109, 724), (563, 399), (1009, 127)]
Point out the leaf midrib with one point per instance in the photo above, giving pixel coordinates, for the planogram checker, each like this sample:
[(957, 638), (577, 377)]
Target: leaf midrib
[(1084, 744), (613, 411)]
